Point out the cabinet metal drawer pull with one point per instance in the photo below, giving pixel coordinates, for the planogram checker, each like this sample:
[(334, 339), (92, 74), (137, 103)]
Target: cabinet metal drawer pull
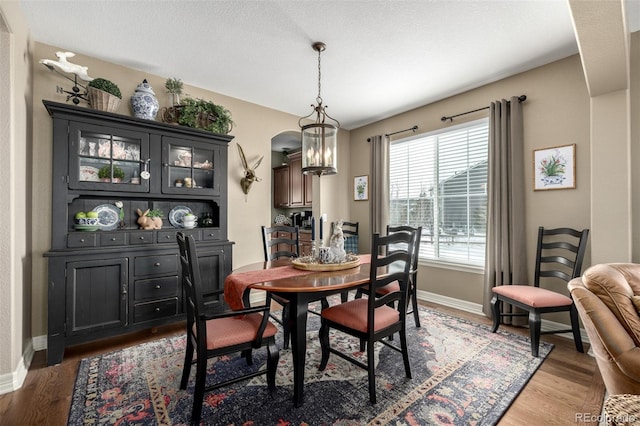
[(82, 240), (157, 264), (141, 238), (113, 238), (158, 286), (157, 309)]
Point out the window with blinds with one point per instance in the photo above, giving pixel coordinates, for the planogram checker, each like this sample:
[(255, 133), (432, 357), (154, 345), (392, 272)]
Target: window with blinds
[(439, 181)]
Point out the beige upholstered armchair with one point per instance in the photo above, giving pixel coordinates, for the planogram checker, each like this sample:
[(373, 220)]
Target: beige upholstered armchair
[(607, 297)]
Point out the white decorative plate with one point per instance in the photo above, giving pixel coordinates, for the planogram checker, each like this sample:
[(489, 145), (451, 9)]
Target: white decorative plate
[(89, 174), (108, 216), (176, 214)]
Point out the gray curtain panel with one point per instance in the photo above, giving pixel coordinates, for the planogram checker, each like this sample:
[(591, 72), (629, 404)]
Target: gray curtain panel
[(379, 184), (506, 261)]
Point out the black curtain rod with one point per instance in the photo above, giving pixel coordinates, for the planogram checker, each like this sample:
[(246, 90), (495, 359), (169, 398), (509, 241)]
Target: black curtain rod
[(521, 98), (414, 128)]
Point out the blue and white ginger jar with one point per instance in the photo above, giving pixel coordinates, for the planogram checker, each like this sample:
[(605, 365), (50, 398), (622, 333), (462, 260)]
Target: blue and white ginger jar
[(143, 102)]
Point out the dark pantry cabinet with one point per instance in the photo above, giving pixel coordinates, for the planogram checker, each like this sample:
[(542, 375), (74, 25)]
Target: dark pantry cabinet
[(120, 278)]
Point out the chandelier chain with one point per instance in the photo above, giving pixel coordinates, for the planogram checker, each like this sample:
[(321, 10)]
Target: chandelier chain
[(319, 98)]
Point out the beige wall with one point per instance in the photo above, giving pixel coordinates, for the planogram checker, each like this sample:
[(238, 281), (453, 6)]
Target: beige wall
[(254, 128), (556, 112), (15, 187), (635, 143)]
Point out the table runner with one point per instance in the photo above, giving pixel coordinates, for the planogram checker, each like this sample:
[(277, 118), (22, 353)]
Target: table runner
[(236, 284)]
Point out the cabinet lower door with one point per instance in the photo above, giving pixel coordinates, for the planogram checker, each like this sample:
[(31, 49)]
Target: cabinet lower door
[(214, 267), (96, 295)]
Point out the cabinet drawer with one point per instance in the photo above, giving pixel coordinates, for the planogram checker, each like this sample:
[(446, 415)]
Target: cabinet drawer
[(211, 234), (156, 288), (155, 310), (81, 239), (113, 239), (170, 236), (141, 237), (166, 264), (305, 236)]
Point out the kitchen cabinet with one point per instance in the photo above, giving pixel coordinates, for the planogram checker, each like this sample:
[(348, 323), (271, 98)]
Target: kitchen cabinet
[(306, 245), (292, 188), (118, 278), (281, 187)]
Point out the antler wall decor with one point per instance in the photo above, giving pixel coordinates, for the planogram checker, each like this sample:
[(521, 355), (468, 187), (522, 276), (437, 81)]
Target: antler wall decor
[(249, 173)]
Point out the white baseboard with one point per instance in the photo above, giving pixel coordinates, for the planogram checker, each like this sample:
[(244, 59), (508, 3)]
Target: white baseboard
[(13, 381), (476, 308)]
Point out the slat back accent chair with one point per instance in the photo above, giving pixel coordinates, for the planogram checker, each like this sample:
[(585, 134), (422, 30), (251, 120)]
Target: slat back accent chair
[(559, 255), (374, 318), (286, 247), (211, 335), (413, 282)]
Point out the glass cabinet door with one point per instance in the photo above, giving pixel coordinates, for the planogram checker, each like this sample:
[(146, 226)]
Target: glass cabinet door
[(110, 161), (189, 167)]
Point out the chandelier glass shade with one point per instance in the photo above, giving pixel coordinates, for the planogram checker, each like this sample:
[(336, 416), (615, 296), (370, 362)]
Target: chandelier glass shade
[(320, 138)]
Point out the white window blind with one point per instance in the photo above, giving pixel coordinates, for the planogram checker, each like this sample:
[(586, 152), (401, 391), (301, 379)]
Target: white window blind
[(439, 181)]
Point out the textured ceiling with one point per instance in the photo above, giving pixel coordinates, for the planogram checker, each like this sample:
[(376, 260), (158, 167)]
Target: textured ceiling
[(382, 57)]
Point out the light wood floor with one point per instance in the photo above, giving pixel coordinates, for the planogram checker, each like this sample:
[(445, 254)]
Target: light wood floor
[(565, 390)]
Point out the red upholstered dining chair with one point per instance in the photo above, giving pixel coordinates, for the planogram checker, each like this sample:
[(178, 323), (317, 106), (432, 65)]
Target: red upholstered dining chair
[(211, 335), (374, 318), (279, 242), (559, 255), (413, 290)]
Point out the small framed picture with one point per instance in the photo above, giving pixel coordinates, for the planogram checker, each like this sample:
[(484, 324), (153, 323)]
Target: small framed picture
[(361, 188), (554, 168)]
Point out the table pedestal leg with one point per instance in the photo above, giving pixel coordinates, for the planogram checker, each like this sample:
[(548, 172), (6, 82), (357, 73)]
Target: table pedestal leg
[(298, 327)]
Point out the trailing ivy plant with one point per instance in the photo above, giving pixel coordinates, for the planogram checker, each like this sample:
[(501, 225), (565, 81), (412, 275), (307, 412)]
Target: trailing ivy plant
[(205, 115)]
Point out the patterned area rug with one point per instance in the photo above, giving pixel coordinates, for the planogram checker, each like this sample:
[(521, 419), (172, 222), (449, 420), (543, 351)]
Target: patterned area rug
[(462, 374)]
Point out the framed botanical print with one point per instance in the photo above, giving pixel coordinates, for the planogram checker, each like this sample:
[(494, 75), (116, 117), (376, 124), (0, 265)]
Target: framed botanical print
[(554, 168), (361, 188)]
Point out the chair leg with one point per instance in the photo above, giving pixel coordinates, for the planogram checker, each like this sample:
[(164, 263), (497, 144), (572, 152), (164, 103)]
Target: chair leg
[(414, 302), (405, 352), (324, 345), (188, 360), (248, 354), (198, 393), (358, 294), (534, 332), (496, 306), (575, 327), (371, 368), (273, 355)]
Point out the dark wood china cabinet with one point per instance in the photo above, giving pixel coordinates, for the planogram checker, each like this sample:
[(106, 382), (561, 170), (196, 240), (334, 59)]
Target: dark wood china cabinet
[(113, 277)]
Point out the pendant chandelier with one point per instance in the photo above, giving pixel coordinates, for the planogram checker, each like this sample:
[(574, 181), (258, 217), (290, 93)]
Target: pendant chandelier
[(319, 139)]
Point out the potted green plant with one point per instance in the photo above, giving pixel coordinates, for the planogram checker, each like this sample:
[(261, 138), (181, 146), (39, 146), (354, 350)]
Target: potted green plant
[(104, 95), (206, 115), (105, 174), (174, 89)]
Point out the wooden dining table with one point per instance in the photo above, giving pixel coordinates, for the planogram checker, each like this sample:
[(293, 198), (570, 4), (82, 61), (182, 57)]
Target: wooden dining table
[(299, 287)]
